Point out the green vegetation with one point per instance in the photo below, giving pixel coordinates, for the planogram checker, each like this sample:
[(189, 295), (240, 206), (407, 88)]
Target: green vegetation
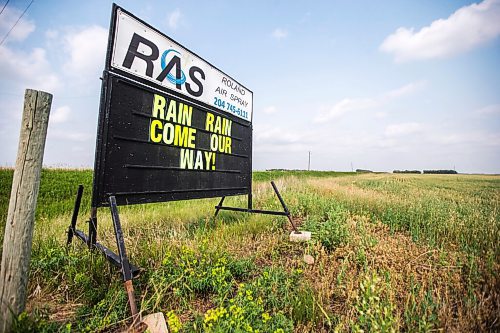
[(393, 252)]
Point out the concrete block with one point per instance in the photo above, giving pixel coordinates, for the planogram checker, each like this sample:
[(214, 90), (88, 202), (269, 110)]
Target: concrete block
[(308, 259), (303, 236), (156, 323)]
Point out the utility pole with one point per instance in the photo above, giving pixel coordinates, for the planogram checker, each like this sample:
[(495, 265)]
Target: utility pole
[(18, 237), (309, 163)]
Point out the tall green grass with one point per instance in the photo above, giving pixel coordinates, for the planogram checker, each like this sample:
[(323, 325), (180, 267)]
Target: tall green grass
[(240, 271), (441, 211)]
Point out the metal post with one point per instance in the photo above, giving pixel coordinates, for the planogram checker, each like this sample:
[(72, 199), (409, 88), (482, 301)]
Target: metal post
[(76, 209), (285, 208), (125, 269), (92, 228), (217, 208), (250, 203)]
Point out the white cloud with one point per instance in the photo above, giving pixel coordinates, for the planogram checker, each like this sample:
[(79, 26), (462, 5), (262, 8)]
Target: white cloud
[(51, 34), (279, 33), (276, 139), (345, 106), (407, 89), (23, 69), (476, 138), (403, 129), (469, 27), (27, 69), (174, 18), (86, 48), (60, 115), (270, 109), (493, 109), (348, 105), (22, 29)]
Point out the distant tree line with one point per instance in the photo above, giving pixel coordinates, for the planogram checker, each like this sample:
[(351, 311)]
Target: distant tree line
[(441, 172), (363, 171), (407, 171)]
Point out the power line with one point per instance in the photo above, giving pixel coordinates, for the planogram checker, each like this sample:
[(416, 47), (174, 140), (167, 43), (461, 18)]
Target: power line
[(5, 5), (7, 35)]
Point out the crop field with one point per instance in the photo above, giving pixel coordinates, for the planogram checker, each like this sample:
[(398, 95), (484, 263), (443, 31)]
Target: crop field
[(392, 252)]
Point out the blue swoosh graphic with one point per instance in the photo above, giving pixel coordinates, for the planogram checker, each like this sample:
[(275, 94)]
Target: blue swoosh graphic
[(170, 77)]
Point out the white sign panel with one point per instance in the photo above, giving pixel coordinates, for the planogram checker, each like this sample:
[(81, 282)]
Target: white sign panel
[(145, 53)]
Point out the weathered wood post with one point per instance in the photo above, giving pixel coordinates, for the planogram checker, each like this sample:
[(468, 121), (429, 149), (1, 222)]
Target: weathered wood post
[(21, 215)]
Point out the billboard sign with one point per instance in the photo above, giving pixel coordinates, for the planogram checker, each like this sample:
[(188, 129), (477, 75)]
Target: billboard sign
[(171, 126)]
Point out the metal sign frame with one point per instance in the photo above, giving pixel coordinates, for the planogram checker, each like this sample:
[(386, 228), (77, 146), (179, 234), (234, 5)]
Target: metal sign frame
[(100, 192), (101, 197)]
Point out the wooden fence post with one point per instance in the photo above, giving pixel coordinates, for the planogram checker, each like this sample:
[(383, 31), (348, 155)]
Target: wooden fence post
[(21, 215)]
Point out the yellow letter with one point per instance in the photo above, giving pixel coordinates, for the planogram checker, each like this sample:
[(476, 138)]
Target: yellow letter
[(218, 125), (184, 116), (209, 122), (213, 142), (159, 106), (153, 135), (191, 138), (228, 128), (181, 136), (186, 159), (208, 158), (171, 113), (168, 133), (227, 149), (199, 160)]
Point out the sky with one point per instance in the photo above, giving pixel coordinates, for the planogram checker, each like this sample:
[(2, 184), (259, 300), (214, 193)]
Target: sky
[(379, 85)]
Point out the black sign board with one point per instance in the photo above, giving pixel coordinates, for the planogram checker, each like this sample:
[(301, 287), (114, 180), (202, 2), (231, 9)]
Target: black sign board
[(159, 139)]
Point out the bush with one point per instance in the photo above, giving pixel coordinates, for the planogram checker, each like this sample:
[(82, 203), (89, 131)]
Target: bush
[(331, 231)]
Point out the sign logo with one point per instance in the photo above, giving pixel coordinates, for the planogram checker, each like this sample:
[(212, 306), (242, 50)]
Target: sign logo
[(170, 77), (196, 74)]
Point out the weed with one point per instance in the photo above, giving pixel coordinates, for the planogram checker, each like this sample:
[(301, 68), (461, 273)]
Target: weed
[(189, 273), (420, 316), (329, 230), (174, 323), (260, 306), (109, 311), (37, 323), (375, 313)]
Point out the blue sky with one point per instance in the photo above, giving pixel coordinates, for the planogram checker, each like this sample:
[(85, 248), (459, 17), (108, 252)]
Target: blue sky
[(374, 85)]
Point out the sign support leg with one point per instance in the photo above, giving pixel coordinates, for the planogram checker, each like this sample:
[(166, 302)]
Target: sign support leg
[(125, 265), (285, 208), (285, 211), (250, 203), (91, 239), (217, 208), (92, 228), (76, 209)]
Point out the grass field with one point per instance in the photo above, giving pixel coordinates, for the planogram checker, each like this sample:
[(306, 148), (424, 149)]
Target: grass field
[(413, 253)]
